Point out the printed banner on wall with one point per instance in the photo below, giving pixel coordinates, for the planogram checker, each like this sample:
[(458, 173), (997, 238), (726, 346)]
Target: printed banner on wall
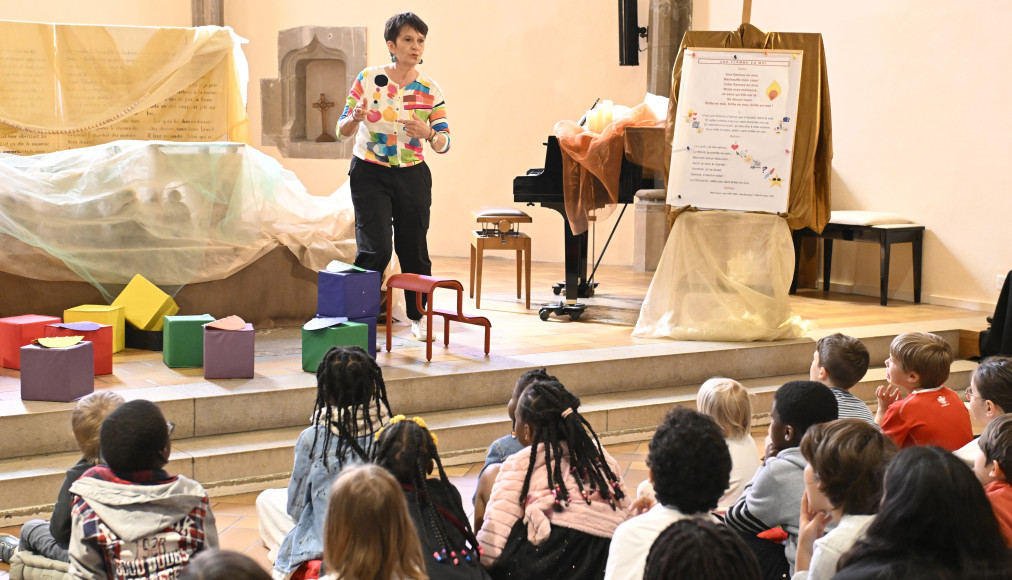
[(734, 129), (68, 86)]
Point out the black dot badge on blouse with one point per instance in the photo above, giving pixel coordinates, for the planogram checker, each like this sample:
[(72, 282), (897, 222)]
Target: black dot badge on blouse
[(381, 80)]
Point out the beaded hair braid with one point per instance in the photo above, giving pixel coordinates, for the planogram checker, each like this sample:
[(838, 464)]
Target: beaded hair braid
[(349, 392), (551, 411), (406, 449)]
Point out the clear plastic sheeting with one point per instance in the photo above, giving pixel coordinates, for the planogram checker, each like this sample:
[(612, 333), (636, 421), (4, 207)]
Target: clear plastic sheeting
[(724, 276), (176, 213)]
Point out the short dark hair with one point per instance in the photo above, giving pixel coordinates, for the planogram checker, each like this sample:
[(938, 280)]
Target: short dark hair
[(993, 381), (690, 461), (698, 548), (395, 23), (845, 359), (849, 458), (215, 564), (996, 442), (802, 404), (133, 437)]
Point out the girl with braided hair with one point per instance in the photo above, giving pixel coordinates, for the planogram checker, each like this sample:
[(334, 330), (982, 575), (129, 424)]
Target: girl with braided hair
[(556, 503), (351, 407), (407, 449)]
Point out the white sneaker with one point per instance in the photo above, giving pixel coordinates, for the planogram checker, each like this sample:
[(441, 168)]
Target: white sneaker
[(419, 329)]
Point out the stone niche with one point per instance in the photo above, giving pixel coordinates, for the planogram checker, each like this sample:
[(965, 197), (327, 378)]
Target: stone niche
[(312, 61)]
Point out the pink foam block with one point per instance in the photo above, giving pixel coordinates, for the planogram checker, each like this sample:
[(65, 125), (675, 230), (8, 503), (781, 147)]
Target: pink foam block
[(17, 331)]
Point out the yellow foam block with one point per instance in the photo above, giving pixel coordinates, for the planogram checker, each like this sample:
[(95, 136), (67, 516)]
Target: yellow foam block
[(101, 314), (144, 304)]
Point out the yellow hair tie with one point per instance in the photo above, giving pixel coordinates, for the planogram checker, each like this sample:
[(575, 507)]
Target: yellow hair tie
[(416, 420)]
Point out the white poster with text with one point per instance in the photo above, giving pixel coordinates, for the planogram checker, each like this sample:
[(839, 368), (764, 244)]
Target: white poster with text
[(734, 129)]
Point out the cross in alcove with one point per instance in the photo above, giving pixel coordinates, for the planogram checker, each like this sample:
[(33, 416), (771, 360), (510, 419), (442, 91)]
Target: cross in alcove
[(323, 104)]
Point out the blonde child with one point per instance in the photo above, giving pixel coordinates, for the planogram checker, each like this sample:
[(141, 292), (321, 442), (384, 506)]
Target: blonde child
[(51, 539), (368, 532), (728, 403), (931, 414)]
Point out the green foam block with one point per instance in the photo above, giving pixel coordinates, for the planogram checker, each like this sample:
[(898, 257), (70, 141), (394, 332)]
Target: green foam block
[(316, 343)]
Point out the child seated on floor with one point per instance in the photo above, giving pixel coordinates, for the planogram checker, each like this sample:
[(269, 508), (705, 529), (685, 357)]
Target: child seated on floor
[(727, 402), (51, 539), (502, 447), (839, 362), (557, 502), (773, 497), (689, 467), (368, 532), (989, 396), (993, 468), (351, 406), (130, 518), (847, 460), (407, 449), (931, 413)]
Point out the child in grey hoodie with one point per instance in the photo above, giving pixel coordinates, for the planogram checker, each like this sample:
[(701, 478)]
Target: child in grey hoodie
[(131, 520), (773, 498)]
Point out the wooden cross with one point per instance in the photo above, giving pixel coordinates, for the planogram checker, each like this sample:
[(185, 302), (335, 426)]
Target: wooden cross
[(323, 104)]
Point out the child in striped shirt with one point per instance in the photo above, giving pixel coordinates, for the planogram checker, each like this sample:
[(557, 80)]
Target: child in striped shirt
[(839, 362)]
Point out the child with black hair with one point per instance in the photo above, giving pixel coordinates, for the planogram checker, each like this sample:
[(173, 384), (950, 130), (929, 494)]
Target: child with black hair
[(502, 447), (555, 504), (217, 564), (695, 548), (773, 497), (994, 467), (690, 466), (131, 520), (351, 406), (51, 539), (407, 449), (934, 522)]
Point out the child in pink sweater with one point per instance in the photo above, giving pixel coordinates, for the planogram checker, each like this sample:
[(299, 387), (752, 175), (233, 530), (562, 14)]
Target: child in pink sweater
[(556, 503)]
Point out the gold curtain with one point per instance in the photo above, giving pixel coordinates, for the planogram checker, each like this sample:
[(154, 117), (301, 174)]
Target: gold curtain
[(811, 173)]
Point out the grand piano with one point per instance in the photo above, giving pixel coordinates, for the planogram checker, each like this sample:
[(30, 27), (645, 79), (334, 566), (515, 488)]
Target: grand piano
[(543, 186)]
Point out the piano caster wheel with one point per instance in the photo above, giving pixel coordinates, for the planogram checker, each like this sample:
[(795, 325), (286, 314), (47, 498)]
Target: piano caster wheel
[(574, 311), (557, 289)]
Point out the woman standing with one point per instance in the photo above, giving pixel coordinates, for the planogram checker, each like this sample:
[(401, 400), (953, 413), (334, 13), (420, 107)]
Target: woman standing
[(392, 109)]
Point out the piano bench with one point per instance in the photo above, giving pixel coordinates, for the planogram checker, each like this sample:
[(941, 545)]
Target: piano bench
[(505, 235), (859, 226)]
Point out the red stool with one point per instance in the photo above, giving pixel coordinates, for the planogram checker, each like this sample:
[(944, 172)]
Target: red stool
[(421, 284)]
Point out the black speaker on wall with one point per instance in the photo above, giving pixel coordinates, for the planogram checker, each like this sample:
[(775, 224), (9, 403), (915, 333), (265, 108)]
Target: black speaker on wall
[(629, 33)]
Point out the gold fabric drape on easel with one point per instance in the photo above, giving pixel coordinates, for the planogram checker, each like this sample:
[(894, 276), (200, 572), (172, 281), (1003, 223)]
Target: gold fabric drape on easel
[(811, 173)]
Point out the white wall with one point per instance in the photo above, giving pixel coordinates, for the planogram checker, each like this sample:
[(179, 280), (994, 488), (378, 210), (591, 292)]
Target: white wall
[(921, 127)]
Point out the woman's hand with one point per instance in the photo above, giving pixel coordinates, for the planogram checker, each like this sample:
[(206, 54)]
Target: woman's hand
[(812, 527), (358, 113), (416, 128)]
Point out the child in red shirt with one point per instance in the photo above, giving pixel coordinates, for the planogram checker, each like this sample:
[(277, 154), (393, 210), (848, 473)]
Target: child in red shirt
[(992, 468), (931, 413)]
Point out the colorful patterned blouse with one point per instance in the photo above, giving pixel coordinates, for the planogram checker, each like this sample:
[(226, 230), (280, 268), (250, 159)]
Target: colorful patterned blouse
[(381, 139)]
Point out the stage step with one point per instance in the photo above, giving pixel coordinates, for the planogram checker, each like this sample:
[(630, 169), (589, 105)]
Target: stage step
[(237, 462)]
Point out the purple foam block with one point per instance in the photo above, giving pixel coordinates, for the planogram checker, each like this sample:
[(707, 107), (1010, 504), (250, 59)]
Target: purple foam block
[(57, 374), (228, 354)]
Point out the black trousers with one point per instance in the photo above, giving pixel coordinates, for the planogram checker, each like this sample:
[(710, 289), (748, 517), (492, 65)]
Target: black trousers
[(392, 200)]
